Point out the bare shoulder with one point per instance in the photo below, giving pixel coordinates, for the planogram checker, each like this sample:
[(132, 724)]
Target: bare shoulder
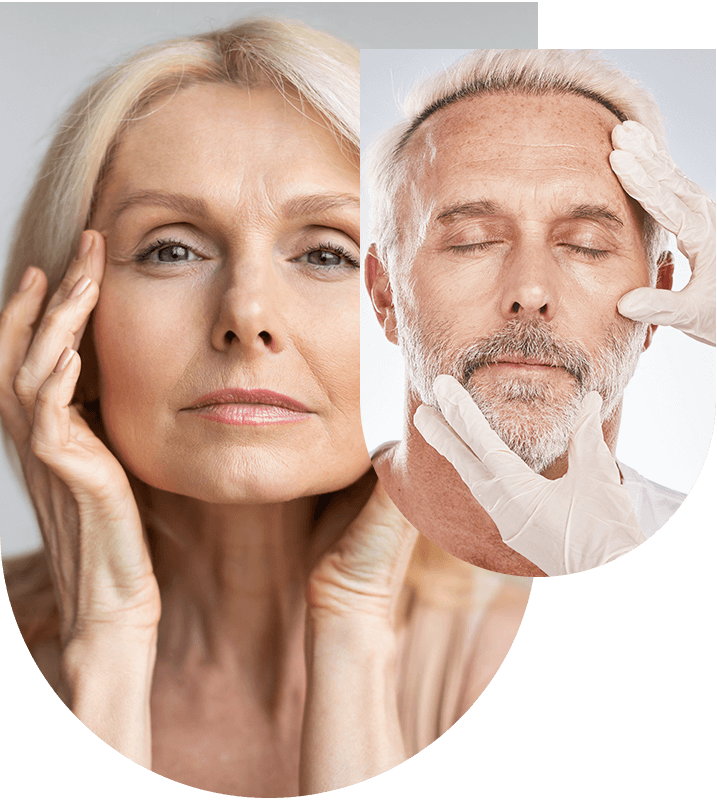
[(498, 627), (46, 654), (32, 600)]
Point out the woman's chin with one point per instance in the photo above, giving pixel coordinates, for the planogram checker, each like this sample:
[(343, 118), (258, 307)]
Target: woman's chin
[(238, 484)]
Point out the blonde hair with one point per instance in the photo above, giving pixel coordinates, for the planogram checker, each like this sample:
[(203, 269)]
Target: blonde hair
[(297, 60), (532, 72), (323, 72), (307, 66)]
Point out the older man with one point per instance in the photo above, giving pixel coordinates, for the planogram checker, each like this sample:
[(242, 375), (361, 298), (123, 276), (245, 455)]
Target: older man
[(504, 242)]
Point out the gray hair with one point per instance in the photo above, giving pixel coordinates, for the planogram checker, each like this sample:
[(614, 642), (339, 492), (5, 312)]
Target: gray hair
[(532, 72)]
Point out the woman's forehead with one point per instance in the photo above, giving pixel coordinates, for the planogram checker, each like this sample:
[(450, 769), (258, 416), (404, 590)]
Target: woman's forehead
[(214, 139)]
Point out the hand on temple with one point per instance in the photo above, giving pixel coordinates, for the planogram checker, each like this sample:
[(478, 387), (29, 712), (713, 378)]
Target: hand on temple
[(648, 174)]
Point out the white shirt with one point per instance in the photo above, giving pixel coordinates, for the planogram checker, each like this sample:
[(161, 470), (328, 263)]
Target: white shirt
[(653, 504)]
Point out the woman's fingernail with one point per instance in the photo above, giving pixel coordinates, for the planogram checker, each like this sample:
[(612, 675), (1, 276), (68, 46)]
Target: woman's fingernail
[(27, 280), (64, 359), (86, 241), (79, 287)]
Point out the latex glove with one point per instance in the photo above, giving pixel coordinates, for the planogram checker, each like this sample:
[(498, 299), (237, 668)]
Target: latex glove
[(648, 174), (567, 525)]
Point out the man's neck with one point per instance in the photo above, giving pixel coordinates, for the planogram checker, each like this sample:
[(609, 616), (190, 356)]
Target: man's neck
[(429, 492)]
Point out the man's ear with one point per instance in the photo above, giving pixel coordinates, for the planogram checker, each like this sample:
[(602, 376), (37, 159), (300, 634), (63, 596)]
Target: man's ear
[(665, 273), (379, 288)]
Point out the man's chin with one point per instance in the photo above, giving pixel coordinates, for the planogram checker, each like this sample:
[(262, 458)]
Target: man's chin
[(538, 433)]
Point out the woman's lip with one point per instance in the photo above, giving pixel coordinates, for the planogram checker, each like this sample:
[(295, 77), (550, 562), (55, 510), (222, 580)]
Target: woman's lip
[(265, 398), (249, 414)]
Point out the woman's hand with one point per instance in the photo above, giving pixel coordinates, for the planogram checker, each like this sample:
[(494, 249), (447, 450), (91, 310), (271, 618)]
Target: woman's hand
[(88, 516), (107, 596), (351, 727), (362, 574)]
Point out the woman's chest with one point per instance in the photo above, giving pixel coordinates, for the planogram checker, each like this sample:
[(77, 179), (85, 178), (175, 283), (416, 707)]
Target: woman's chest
[(229, 745)]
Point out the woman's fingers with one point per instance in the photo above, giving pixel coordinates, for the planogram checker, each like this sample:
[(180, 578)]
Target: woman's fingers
[(16, 328), (90, 261), (58, 330), (64, 320), (51, 426)]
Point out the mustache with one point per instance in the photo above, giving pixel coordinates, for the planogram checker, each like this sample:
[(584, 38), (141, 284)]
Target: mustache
[(527, 338)]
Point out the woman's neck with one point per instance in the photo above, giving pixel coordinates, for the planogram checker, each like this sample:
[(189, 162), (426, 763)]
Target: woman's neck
[(233, 584), (232, 579)]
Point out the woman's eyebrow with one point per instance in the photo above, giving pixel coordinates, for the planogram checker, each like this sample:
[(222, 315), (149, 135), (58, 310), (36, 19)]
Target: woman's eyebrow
[(301, 206), (181, 203), (310, 204)]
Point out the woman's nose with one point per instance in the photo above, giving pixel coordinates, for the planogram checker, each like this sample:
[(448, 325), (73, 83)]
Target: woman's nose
[(530, 283), (251, 313)]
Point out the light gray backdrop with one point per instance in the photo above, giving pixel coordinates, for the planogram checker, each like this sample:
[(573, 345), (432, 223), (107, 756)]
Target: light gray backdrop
[(50, 51), (668, 413)]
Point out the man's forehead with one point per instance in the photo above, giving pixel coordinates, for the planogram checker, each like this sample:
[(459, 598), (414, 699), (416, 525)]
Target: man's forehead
[(553, 147), (526, 131)]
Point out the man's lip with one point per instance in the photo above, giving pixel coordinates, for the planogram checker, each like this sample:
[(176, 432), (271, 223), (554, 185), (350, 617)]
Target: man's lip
[(265, 397), (525, 362)]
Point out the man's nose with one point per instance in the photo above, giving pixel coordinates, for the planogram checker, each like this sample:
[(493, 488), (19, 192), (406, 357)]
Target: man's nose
[(252, 310), (530, 283)]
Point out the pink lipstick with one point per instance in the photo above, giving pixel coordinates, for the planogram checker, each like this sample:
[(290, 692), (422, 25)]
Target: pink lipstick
[(249, 407)]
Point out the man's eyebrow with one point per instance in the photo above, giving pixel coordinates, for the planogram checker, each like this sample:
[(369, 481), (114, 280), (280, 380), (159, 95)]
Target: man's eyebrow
[(296, 207), (479, 208), (597, 213), (484, 208)]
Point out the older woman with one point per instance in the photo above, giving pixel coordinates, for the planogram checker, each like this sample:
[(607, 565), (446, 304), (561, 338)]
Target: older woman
[(224, 596)]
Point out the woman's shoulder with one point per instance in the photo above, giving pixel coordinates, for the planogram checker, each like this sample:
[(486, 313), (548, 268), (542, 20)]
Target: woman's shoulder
[(458, 624), (32, 599)]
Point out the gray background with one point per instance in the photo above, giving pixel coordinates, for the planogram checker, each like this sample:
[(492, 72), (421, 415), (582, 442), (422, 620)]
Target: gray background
[(50, 51), (668, 413)]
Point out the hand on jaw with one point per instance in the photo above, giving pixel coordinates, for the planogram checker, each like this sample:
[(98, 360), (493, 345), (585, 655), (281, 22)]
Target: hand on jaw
[(574, 523)]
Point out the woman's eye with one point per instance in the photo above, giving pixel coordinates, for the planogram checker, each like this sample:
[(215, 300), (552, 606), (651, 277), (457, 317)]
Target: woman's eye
[(168, 253), (334, 257)]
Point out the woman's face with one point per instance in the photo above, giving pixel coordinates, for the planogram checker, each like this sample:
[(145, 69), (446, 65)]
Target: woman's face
[(227, 326)]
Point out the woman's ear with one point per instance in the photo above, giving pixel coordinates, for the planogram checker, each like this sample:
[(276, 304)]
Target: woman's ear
[(378, 284)]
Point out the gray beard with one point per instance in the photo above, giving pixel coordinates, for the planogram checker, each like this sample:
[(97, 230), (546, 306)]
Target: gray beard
[(534, 418)]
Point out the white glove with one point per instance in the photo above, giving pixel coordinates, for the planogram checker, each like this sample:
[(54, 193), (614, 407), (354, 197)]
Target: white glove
[(567, 525), (648, 174)]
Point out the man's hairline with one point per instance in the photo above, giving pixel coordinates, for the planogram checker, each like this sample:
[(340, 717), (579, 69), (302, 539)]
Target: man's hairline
[(471, 93), (401, 160)]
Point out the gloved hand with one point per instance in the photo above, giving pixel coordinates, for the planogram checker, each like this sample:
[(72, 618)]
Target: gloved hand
[(648, 174), (567, 525)]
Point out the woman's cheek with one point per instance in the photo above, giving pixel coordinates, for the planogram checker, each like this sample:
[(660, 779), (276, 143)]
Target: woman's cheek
[(138, 344)]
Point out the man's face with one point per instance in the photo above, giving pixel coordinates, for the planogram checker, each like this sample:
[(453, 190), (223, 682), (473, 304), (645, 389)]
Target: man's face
[(530, 242)]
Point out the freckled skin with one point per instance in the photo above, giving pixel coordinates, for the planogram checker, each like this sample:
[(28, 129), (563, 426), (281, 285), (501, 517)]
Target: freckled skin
[(245, 314), (535, 159)]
